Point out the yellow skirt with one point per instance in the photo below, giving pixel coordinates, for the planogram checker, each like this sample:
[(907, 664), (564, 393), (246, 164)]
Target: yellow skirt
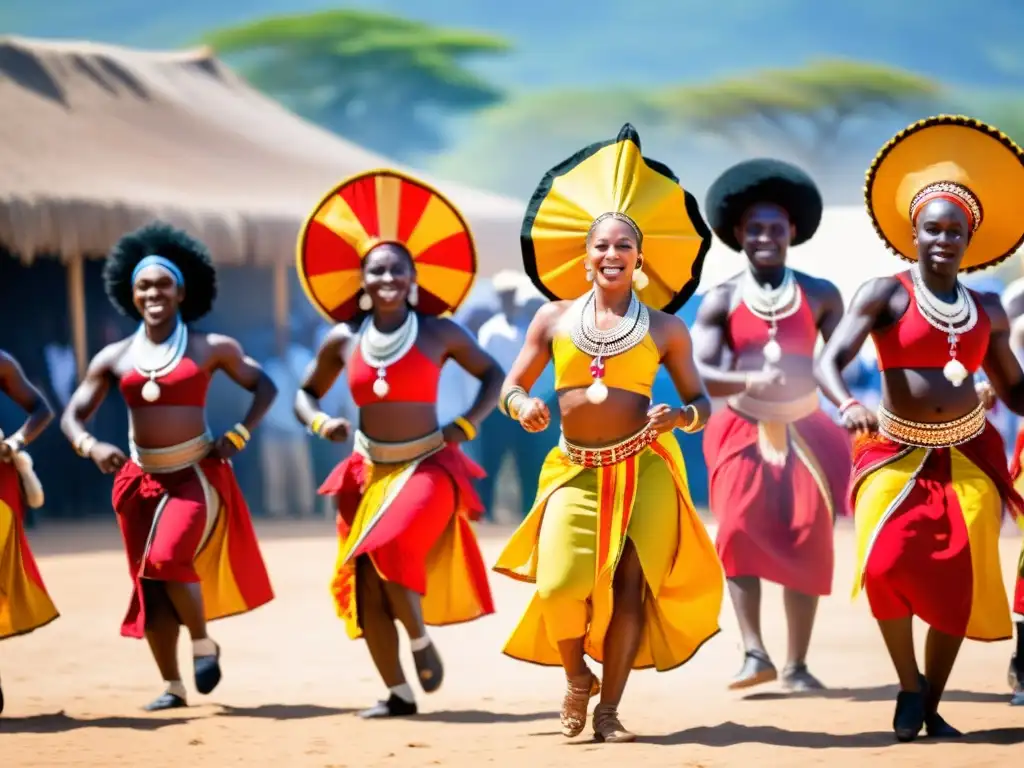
[(570, 544)]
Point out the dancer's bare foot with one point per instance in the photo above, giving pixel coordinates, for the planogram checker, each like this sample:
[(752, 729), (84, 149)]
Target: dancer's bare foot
[(757, 669), (607, 726), (578, 693)]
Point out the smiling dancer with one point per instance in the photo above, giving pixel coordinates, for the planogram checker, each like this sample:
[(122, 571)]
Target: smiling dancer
[(779, 467), (383, 255), (930, 485), (624, 569), (191, 548), (25, 605), (1013, 301)]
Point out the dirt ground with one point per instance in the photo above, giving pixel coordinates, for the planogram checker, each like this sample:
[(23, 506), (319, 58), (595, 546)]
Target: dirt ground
[(292, 681)]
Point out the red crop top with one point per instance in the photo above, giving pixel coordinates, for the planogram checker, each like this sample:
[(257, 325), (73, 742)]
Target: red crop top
[(412, 379), (913, 342), (187, 385), (796, 334)]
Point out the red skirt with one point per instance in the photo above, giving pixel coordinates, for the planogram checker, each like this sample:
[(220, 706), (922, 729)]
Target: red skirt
[(776, 522), (928, 523), (25, 605), (413, 523), (190, 526), (1018, 482)]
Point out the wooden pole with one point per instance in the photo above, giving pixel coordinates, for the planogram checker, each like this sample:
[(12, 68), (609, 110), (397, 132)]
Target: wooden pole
[(76, 305), (281, 301)]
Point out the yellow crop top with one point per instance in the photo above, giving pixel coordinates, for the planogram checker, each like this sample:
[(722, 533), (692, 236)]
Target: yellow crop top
[(632, 371)]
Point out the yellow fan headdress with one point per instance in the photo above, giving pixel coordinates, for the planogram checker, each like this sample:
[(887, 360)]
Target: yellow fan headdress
[(956, 158), (614, 178)]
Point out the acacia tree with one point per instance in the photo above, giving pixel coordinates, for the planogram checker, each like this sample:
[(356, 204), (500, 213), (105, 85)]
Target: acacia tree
[(382, 81), (808, 111)]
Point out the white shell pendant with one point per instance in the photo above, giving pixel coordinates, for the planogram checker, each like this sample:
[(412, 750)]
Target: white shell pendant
[(955, 372), (772, 351), (597, 392), (151, 391), (380, 386)]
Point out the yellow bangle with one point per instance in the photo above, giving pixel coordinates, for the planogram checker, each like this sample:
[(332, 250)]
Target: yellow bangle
[(513, 405), (694, 424), (241, 431), (84, 444), (236, 439), (317, 423), (466, 426)]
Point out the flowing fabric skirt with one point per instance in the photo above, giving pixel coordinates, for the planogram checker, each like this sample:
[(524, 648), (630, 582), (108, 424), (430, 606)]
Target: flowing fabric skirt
[(776, 522), (413, 521), (928, 523), (570, 544)]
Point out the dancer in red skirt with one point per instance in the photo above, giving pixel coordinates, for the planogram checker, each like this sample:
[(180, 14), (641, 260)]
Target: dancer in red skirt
[(25, 605), (778, 465), (192, 552), (383, 255)]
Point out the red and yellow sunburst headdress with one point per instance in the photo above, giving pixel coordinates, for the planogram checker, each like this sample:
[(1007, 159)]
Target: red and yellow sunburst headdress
[(613, 178), (384, 206), (972, 165)]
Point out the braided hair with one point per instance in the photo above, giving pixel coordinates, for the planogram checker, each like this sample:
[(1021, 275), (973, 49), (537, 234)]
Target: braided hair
[(188, 254)]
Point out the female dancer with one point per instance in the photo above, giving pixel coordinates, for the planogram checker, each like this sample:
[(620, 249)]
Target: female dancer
[(25, 605), (383, 255), (929, 487), (625, 571), (779, 467), (191, 548)]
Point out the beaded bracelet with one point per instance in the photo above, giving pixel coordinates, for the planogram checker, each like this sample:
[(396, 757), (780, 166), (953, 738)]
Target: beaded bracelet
[(505, 404)]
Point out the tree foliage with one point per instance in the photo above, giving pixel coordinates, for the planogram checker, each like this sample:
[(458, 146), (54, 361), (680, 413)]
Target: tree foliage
[(806, 110), (382, 81)]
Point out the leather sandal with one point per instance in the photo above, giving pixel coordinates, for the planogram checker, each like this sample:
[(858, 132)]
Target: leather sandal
[(607, 726), (578, 693)]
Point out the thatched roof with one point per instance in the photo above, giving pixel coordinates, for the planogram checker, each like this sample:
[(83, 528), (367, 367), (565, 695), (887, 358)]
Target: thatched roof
[(96, 140)]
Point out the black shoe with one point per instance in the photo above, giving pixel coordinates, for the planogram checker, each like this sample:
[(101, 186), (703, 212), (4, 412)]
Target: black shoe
[(207, 672), (166, 700), (395, 706), (910, 717), (429, 668), (937, 728)]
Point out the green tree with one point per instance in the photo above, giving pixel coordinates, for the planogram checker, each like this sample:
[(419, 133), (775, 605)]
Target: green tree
[(382, 81), (808, 111)]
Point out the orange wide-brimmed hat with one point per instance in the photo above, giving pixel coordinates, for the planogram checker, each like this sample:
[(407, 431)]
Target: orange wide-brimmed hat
[(948, 153), (614, 177), (385, 206)]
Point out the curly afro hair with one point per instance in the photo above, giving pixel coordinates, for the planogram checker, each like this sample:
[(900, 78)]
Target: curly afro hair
[(160, 239), (763, 181)]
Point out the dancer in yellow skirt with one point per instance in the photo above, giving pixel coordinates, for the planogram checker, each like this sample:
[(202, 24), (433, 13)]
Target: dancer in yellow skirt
[(25, 604), (625, 571)]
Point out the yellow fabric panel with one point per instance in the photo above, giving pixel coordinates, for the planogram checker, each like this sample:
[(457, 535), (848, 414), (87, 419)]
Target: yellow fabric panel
[(24, 605)]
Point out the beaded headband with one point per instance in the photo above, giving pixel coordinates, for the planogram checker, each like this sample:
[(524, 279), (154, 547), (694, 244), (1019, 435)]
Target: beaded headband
[(958, 194), (618, 217)]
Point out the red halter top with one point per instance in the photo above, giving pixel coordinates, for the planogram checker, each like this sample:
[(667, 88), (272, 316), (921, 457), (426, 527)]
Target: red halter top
[(913, 342), (186, 385), (796, 334), (411, 379)]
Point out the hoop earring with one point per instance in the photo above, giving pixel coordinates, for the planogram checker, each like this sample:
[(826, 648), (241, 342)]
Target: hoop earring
[(365, 302), (414, 294), (640, 280)]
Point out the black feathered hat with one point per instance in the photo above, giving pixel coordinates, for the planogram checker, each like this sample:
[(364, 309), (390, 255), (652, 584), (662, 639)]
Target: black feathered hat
[(763, 181), (160, 239)]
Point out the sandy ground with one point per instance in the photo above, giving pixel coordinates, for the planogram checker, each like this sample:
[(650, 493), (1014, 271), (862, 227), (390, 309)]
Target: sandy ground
[(292, 682)]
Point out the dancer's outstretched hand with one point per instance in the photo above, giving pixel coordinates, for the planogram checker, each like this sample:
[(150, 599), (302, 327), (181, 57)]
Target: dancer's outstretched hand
[(663, 418)]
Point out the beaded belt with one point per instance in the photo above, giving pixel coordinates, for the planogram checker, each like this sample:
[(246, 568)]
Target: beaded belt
[(923, 435), (172, 458), (397, 453), (608, 454)]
